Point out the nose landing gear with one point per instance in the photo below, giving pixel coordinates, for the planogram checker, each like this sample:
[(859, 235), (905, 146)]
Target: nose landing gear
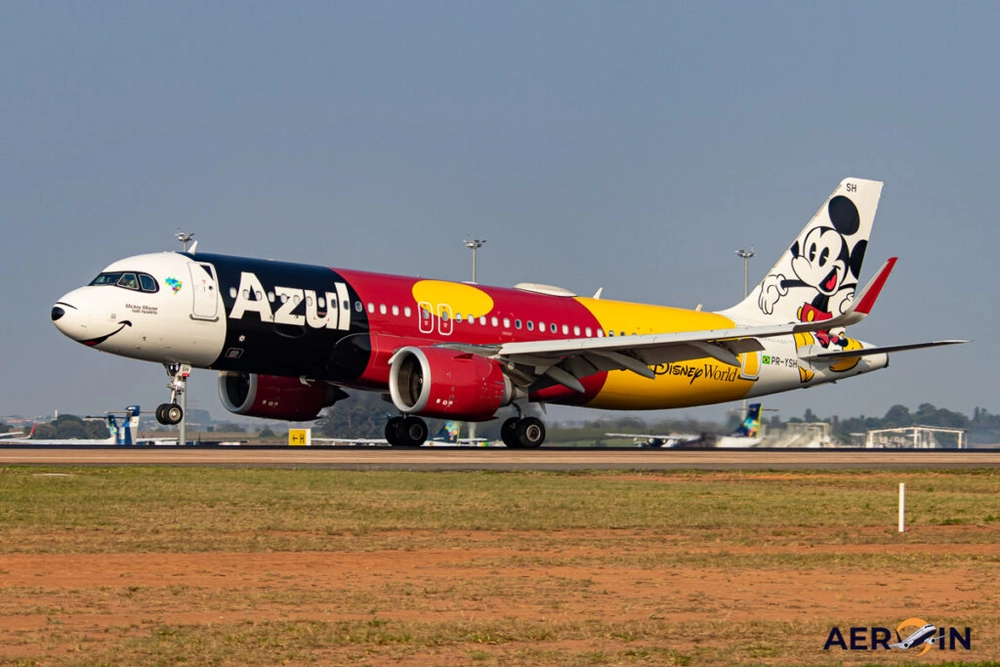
[(172, 413)]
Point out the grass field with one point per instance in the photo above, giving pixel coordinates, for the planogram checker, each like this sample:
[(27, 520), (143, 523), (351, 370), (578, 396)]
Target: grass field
[(214, 566)]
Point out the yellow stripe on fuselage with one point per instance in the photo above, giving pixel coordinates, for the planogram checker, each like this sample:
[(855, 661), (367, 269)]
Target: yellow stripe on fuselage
[(682, 384)]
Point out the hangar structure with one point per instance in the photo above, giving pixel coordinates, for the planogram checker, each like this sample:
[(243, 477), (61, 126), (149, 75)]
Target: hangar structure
[(916, 437)]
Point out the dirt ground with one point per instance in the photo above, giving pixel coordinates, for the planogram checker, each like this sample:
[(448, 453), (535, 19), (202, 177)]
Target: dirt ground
[(59, 608)]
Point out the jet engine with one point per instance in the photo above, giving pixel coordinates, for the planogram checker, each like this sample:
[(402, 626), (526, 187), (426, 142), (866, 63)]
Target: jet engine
[(275, 397), (448, 384)]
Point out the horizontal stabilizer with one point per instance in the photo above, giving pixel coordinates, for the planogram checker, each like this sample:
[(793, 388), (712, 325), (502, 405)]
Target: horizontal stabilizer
[(881, 350)]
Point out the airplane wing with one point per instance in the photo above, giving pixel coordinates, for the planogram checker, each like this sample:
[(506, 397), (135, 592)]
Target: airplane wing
[(566, 361)]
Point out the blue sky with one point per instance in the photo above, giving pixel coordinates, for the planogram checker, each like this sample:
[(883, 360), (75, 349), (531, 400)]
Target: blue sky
[(629, 146)]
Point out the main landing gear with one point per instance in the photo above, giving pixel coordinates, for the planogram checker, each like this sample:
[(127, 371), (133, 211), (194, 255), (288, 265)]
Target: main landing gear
[(523, 433), (516, 432), (406, 431), (171, 413)]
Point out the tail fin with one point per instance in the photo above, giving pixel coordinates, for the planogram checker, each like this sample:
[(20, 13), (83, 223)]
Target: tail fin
[(817, 277), (751, 423)]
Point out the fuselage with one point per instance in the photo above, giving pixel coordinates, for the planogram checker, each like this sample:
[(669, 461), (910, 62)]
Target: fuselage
[(343, 326)]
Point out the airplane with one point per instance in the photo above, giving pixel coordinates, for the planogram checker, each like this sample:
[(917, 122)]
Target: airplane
[(288, 339), (923, 636), (746, 435), (119, 434)]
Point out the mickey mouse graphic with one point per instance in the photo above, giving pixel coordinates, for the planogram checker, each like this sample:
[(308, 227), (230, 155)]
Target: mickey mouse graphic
[(825, 266)]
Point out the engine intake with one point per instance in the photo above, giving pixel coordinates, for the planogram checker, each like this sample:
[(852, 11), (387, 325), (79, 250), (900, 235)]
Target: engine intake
[(275, 397), (438, 382)]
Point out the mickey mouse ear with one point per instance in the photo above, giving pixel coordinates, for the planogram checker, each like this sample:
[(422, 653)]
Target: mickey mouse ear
[(844, 215), (858, 256)]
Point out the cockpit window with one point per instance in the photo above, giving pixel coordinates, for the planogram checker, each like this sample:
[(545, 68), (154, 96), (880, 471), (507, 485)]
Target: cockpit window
[(106, 279), (140, 282), (128, 281)]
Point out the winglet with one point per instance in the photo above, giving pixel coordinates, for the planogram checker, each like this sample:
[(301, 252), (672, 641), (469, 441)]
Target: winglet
[(864, 302), (860, 307)]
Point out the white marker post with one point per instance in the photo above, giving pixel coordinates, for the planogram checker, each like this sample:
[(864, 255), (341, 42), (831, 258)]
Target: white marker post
[(902, 507)]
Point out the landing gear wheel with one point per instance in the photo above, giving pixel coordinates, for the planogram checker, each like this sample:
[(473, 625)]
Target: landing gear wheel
[(412, 432), (392, 430), (508, 433), (169, 414), (530, 433)]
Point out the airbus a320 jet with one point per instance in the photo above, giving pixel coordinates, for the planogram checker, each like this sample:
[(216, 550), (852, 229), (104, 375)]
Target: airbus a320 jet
[(289, 339)]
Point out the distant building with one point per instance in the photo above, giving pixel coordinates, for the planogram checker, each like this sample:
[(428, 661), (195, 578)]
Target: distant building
[(916, 437)]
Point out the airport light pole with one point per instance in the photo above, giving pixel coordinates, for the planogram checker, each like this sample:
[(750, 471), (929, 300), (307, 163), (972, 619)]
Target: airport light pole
[(474, 245), (184, 238), (745, 255)]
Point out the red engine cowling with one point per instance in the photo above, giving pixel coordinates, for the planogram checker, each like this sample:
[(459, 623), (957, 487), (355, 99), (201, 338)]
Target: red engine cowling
[(275, 397), (438, 382)]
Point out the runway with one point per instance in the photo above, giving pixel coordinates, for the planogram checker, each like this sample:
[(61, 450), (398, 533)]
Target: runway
[(457, 459)]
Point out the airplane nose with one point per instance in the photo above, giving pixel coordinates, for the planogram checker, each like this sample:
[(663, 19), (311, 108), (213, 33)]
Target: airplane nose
[(69, 320)]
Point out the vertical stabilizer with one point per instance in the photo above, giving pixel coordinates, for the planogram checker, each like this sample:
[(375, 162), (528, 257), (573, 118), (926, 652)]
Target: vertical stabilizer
[(817, 277), (750, 427)]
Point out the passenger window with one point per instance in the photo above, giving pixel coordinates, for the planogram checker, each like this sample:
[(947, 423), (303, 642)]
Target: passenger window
[(576, 331), (506, 323), (406, 311), (565, 330), (517, 324), (531, 325), (553, 328), (395, 311)]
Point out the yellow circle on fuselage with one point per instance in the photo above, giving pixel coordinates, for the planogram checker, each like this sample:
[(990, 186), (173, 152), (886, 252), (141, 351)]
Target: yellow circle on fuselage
[(460, 297)]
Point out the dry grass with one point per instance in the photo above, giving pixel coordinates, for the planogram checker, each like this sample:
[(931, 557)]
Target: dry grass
[(232, 566)]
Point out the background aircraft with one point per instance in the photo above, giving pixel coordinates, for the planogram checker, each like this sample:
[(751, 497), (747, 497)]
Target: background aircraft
[(120, 433), (288, 339), (747, 434)]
